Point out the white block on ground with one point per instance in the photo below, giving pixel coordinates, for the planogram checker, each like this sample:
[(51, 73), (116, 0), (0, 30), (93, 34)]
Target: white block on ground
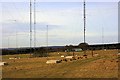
[(3, 63), (118, 54), (62, 56), (53, 61), (69, 57), (96, 54), (12, 58)]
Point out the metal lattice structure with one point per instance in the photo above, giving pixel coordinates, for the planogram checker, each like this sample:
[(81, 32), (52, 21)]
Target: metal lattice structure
[(84, 20), (30, 26)]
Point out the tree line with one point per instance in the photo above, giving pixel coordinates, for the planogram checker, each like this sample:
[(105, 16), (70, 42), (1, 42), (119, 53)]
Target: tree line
[(44, 51)]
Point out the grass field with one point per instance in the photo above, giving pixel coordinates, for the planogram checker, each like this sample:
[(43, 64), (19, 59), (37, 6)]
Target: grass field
[(105, 65)]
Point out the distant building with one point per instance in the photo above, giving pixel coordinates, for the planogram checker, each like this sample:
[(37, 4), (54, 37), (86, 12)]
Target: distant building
[(77, 49), (67, 50)]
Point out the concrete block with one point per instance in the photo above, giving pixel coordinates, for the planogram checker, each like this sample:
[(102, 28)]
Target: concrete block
[(69, 57), (3, 63), (53, 61)]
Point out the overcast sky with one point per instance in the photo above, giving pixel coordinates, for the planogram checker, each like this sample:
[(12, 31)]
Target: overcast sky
[(64, 20)]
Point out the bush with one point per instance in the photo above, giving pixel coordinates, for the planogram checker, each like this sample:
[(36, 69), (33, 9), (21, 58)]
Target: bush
[(42, 52)]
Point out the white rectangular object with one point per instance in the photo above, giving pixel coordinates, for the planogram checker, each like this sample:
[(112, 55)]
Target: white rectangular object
[(2, 63), (118, 54), (53, 61), (96, 54), (69, 57), (62, 56), (12, 58)]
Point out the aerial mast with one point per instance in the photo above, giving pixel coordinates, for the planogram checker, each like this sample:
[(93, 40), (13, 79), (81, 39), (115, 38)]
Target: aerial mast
[(47, 39), (84, 20), (34, 24), (103, 37), (84, 14), (30, 26)]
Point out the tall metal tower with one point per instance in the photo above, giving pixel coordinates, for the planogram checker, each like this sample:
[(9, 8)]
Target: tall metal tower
[(34, 23), (16, 40), (84, 20), (103, 37), (8, 43), (30, 26), (47, 38)]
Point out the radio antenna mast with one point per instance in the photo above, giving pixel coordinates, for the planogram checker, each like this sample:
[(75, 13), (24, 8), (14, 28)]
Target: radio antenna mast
[(84, 20), (30, 27), (47, 39), (34, 24), (103, 37)]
